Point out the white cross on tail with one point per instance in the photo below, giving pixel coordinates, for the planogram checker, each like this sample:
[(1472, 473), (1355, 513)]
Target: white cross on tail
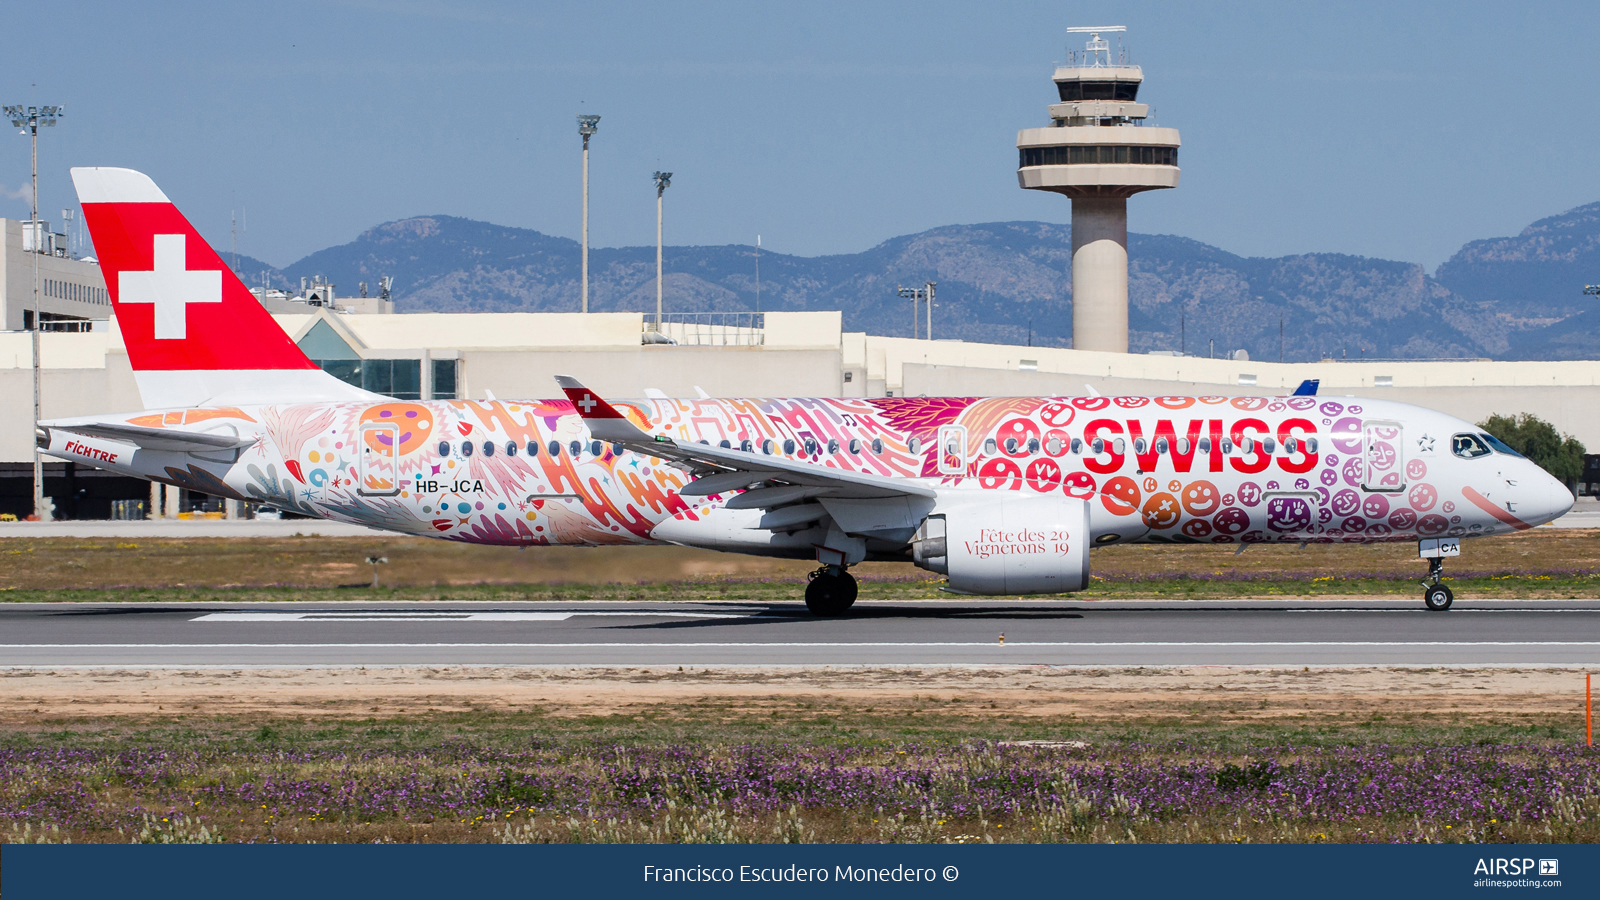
[(588, 403), (171, 287)]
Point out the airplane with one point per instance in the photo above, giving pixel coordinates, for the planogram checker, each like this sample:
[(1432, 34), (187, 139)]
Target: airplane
[(1001, 495)]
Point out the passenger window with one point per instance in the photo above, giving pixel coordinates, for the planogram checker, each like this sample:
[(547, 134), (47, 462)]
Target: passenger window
[(915, 447), (1053, 446), (1467, 446), (1248, 445), (1227, 446), (1291, 446), (1500, 445), (1205, 445), (1033, 445), (724, 445), (877, 445), (746, 446), (1011, 445), (1138, 445), (1270, 446), (788, 448), (1183, 446), (555, 449), (766, 446), (511, 448), (575, 448), (988, 446), (833, 446), (466, 448), (596, 448), (533, 448), (811, 447), (1311, 445), (1077, 446), (444, 448), (1119, 446), (855, 445), (488, 448), (1161, 445)]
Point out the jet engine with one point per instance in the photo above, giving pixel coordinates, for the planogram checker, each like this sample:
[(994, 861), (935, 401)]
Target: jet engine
[(991, 543)]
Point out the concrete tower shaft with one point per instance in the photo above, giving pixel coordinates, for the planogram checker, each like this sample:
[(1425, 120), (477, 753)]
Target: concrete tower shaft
[(1098, 152)]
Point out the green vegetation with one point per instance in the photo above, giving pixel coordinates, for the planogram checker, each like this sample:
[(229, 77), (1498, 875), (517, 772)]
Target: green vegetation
[(1559, 454), (709, 773)]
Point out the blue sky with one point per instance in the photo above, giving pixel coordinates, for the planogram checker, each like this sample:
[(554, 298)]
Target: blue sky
[(1378, 129)]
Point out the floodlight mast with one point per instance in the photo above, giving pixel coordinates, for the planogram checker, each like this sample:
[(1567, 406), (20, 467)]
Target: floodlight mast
[(924, 293), (29, 119), (663, 181), (587, 126)]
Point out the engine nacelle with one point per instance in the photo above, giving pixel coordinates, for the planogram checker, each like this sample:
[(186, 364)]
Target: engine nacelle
[(1000, 543)]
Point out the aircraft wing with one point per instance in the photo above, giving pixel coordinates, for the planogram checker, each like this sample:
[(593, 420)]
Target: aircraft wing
[(157, 438), (768, 481)]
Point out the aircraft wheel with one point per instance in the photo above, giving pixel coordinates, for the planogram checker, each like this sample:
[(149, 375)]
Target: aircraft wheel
[(1438, 598), (832, 591)]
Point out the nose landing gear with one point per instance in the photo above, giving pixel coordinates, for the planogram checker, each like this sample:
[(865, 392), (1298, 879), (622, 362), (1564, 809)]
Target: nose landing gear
[(831, 591), (1435, 596)]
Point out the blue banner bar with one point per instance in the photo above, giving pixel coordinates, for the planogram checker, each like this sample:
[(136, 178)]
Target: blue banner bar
[(399, 872)]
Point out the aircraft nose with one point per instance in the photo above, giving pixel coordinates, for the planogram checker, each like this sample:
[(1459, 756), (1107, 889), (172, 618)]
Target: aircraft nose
[(1549, 499)]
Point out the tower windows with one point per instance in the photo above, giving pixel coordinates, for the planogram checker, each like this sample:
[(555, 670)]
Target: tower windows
[(1097, 90), (1098, 155)]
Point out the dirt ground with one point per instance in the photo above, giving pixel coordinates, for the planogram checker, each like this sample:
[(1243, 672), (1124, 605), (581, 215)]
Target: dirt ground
[(1216, 694)]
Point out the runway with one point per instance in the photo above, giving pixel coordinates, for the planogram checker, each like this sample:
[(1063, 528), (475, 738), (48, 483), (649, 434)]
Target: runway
[(932, 632)]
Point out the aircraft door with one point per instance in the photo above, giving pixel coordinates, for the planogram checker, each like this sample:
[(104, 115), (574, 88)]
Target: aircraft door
[(1385, 463), (952, 449), (376, 474)]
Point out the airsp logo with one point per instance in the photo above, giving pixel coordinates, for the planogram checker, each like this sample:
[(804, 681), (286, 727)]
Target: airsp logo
[(1524, 866)]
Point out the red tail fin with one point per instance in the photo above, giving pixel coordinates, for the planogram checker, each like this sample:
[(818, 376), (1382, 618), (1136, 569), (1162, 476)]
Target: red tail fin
[(195, 334)]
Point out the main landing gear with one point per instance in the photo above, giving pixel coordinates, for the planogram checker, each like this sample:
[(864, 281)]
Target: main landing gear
[(1435, 596), (831, 592)]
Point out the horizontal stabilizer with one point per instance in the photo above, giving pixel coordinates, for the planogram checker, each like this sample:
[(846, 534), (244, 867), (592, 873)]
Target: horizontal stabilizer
[(161, 438)]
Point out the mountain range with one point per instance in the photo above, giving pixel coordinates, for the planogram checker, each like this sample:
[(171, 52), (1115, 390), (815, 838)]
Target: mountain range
[(1010, 282)]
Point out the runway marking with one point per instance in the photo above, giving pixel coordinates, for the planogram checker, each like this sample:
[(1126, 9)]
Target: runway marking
[(1456, 610), (702, 644), (442, 616)]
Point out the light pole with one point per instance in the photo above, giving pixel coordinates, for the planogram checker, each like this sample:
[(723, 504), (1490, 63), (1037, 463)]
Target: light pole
[(922, 293), (663, 181), (913, 294), (587, 126), (29, 119)]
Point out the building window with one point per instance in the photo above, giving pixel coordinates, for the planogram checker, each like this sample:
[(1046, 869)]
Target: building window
[(444, 379), (1097, 155), (397, 378), (1097, 90)]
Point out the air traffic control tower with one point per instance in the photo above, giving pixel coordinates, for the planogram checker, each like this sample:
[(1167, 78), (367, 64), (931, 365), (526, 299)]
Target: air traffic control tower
[(1098, 152)]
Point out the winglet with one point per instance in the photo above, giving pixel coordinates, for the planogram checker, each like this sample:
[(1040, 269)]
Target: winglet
[(604, 420), (1307, 388), (589, 404)]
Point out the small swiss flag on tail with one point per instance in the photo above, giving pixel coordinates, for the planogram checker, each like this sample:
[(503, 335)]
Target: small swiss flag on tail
[(178, 306)]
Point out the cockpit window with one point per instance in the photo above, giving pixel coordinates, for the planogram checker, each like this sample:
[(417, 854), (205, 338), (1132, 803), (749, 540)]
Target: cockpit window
[(1500, 445), (1467, 446)]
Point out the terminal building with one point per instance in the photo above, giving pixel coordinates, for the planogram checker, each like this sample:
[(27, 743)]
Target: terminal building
[(472, 356)]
